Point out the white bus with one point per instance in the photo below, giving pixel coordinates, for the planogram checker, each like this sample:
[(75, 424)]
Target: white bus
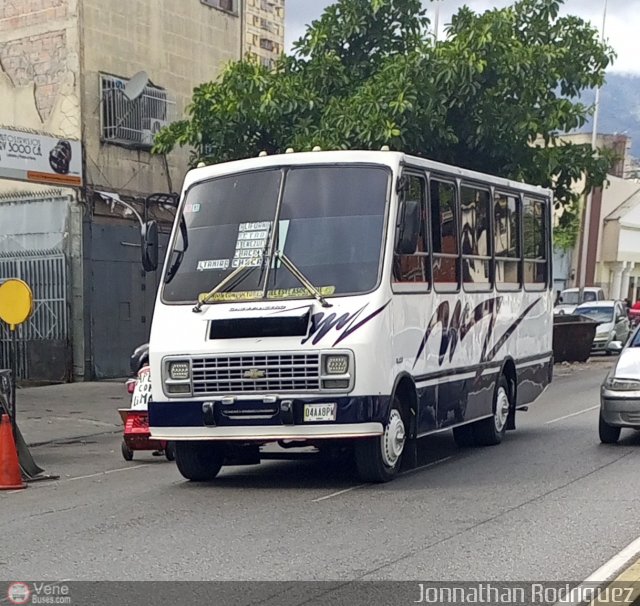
[(369, 297)]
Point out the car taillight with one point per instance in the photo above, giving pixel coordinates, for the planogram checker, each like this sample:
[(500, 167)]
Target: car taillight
[(137, 422)]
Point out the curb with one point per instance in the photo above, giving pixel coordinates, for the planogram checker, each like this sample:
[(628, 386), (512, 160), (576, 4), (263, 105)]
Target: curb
[(621, 573), (70, 439)]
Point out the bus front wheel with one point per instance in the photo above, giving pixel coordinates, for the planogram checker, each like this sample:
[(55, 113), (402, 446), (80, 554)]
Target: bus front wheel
[(199, 461), (378, 459)]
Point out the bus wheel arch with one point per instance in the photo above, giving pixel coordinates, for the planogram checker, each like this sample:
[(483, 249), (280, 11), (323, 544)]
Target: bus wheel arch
[(379, 459), (509, 372), (405, 391)]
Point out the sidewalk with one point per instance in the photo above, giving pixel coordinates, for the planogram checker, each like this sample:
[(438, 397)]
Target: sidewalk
[(59, 413)]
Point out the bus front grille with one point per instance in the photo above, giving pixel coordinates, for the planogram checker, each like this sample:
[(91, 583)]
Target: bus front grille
[(273, 373)]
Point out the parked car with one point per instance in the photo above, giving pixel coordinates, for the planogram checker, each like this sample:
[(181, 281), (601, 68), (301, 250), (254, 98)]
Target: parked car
[(613, 324), (570, 299), (620, 393), (139, 358)]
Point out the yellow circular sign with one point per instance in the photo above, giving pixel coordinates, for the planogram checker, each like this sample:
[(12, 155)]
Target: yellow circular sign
[(16, 302)]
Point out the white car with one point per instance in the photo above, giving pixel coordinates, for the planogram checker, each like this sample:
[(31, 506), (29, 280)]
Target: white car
[(620, 394), (570, 299), (613, 327)]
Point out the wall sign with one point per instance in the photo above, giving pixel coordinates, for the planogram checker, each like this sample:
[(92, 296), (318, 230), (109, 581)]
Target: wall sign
[(25, 156)]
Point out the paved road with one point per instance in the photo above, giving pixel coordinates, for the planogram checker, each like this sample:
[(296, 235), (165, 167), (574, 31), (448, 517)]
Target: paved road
[(550, 503)]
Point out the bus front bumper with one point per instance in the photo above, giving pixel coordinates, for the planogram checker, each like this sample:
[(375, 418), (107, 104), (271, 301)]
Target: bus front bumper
[(269, 432), (268, 419)]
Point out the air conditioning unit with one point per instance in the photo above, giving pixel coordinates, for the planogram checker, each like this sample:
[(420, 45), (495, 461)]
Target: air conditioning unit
[(150, 128)]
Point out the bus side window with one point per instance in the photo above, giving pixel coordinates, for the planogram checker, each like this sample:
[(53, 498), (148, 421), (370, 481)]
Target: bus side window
[(414, 268), (444, 236), (506, 213), (535, 255), (476, 240)]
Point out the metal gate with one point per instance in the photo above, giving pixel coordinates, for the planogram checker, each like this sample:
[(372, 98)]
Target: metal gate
[(43, 342)]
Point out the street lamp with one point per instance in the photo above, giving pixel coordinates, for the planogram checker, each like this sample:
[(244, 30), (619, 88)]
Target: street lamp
[(589, 200)]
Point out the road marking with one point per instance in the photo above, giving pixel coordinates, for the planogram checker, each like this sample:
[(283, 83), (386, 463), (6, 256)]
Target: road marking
[(337, 494), (92, 475), (432, 464), (104, 473), (605, 573), (573, 414), (352, 488)]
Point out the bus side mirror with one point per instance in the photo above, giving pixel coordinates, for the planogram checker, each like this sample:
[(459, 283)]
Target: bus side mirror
[(409, 231), (149, 243)]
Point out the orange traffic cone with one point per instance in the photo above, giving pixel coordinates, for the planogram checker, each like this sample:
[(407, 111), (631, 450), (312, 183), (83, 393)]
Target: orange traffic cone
[(10, 476)]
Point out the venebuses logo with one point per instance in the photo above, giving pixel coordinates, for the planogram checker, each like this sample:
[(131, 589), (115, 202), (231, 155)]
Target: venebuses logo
[(18, 593)]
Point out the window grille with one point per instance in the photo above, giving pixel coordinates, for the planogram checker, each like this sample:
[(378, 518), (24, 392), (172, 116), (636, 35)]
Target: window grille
[(134, 123)]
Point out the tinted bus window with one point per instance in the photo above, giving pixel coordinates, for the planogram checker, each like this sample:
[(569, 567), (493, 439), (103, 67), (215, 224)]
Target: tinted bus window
[(475, 240), (535, 257), (444, 236), (414, 268), (506, 213)]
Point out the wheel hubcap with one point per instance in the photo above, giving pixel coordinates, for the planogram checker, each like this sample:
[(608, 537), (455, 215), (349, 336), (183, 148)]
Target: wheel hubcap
[(393, 439), (502, 409)]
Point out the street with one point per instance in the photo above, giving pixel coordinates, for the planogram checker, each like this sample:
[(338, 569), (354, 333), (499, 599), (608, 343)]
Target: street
[(550, 503)]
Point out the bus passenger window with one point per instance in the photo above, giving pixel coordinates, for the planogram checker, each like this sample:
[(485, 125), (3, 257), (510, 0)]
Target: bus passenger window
[(506, 213), (444, 236), (414, 268), (475, 240), (535, 256)]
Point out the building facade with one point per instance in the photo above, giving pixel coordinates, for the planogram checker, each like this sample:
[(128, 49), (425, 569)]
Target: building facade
[(264, 30), (618, 264), (107, 75), (608, 265)]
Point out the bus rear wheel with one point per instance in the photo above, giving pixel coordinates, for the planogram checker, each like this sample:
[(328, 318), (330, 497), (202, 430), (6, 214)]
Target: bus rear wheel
[(199, 461), (378, 459), (490, 432)]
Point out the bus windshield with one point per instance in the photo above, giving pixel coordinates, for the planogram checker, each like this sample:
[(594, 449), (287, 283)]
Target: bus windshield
[(330, 225)]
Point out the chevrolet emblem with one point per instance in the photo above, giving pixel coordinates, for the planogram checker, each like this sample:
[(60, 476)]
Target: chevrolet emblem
[(254, 373)]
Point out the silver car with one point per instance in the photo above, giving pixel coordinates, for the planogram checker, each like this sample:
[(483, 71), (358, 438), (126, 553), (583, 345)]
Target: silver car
[(620, 393), (613, 324)]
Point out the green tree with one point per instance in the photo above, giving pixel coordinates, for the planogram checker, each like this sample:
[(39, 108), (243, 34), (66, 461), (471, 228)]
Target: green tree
[(493, 96)]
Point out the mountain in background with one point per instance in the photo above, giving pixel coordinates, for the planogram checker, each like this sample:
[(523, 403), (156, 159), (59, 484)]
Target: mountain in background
[(619, 108)]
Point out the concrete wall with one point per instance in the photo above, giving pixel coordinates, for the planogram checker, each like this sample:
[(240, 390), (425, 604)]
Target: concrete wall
[(40, 90), (39, 67), (180, 44)]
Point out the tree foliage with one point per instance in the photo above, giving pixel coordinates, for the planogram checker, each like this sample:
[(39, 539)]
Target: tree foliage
[(493, 96)]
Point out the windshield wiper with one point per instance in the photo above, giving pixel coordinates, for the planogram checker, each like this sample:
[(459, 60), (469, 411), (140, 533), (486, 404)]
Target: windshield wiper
[(222, 284), (302, 278), (180, 253)]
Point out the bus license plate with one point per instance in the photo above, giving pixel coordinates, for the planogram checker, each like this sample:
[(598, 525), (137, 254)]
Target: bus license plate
[(319, 412)]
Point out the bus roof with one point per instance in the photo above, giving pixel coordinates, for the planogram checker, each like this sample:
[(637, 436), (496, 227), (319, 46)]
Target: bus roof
[(393, 160)]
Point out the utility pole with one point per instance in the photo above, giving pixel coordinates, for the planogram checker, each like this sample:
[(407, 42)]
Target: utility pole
[(589, 200), (436, 20)]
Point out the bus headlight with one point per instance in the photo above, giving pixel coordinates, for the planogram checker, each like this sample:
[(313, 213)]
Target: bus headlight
[(336, 364), (179, 371)]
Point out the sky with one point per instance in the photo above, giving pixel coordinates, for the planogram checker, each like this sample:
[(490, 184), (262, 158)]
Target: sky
[(622, 25)]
